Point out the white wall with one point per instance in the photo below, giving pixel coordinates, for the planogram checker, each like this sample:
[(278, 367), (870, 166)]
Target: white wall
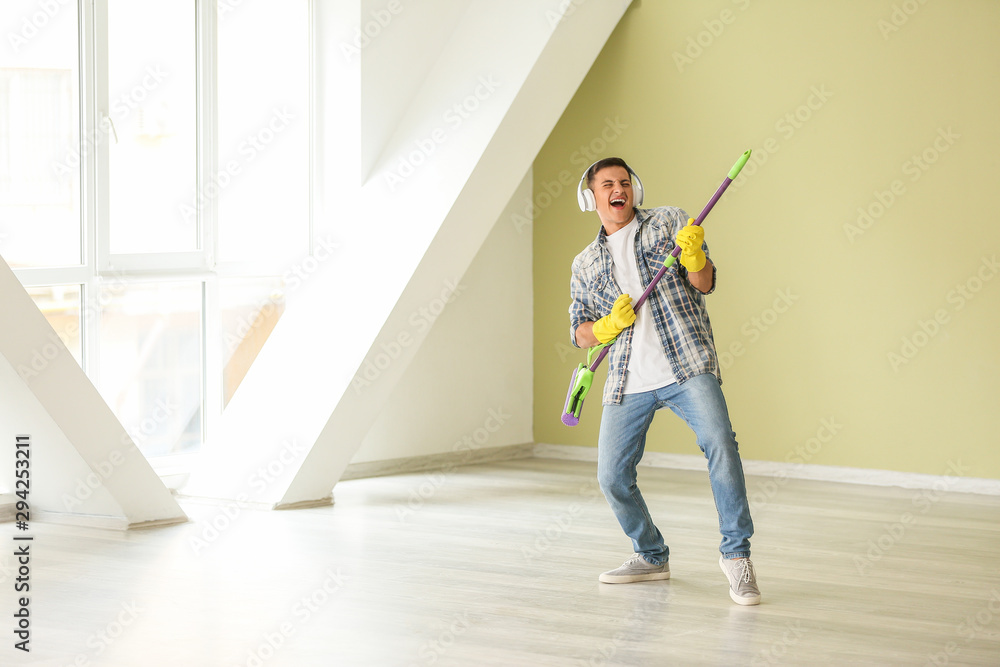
[(471, 381), (404, 40)]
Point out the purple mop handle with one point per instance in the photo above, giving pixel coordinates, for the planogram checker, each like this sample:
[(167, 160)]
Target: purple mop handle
[(677, 249)]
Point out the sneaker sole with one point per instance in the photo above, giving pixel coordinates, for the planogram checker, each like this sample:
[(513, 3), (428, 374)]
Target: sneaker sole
[(631, 578), (746, 602)]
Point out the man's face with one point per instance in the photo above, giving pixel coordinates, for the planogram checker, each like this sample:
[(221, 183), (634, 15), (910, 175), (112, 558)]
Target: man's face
[(613, 191)]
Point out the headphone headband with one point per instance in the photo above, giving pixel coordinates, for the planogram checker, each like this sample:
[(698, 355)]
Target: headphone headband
[(585, 196)]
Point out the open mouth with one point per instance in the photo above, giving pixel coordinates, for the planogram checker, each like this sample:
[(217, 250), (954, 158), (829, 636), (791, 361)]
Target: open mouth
[(618, 203)]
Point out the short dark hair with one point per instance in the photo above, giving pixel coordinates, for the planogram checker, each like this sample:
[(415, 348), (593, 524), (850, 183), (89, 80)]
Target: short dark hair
[(601, 164)]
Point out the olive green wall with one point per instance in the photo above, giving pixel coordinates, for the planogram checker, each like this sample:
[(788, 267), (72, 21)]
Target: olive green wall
[(857, 313)]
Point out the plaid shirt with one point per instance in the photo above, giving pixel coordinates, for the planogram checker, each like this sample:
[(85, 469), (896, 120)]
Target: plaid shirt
[(678, 308)]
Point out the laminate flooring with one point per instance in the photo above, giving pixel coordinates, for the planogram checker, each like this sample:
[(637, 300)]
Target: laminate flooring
[(497, 564)]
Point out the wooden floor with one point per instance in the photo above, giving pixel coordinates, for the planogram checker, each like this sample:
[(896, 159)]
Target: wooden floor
[(497, 565)]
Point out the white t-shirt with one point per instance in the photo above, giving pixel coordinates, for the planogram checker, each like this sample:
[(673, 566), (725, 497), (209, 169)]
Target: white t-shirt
[(648, 366)]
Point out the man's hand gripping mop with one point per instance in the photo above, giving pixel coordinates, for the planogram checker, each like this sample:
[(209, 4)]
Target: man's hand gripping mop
[(583, 376)]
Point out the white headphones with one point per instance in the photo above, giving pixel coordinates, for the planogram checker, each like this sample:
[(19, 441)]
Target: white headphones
[(585, 196)]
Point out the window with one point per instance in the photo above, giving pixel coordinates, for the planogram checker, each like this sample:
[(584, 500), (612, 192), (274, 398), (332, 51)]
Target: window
[(152, 158), (262, 184), (250, 308), (60, 304), (39, 136), (151, 362), (155, 186)]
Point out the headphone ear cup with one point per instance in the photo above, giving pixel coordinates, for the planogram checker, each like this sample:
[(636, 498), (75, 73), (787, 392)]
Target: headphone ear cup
[(637, 190), (584, 195)]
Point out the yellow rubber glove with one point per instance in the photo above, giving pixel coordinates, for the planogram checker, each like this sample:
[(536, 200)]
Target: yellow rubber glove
[(621, 316), (690, 239)]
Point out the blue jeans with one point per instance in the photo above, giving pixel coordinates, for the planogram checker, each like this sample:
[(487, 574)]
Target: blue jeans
[(700, 403)]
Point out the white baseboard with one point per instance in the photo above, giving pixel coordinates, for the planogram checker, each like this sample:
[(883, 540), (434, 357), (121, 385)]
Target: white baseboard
[(98, 521), (906, 480), (437, 461)]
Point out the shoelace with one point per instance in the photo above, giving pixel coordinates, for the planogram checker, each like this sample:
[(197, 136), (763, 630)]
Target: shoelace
[(746, 571)]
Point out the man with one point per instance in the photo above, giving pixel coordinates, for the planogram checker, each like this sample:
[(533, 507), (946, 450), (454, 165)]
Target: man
[(663, 356)]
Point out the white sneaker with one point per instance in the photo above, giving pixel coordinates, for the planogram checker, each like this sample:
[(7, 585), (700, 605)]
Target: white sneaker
[(742, 580), (636, 568)]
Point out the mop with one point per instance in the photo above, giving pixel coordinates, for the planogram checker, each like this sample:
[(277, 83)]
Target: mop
[(583, 377)]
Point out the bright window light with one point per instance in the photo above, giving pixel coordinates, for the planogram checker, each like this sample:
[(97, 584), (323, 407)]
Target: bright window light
[(250, 310), (163, 280), (40, 151), (263, 179), (151, 79), (151, 368), (60, 304)]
